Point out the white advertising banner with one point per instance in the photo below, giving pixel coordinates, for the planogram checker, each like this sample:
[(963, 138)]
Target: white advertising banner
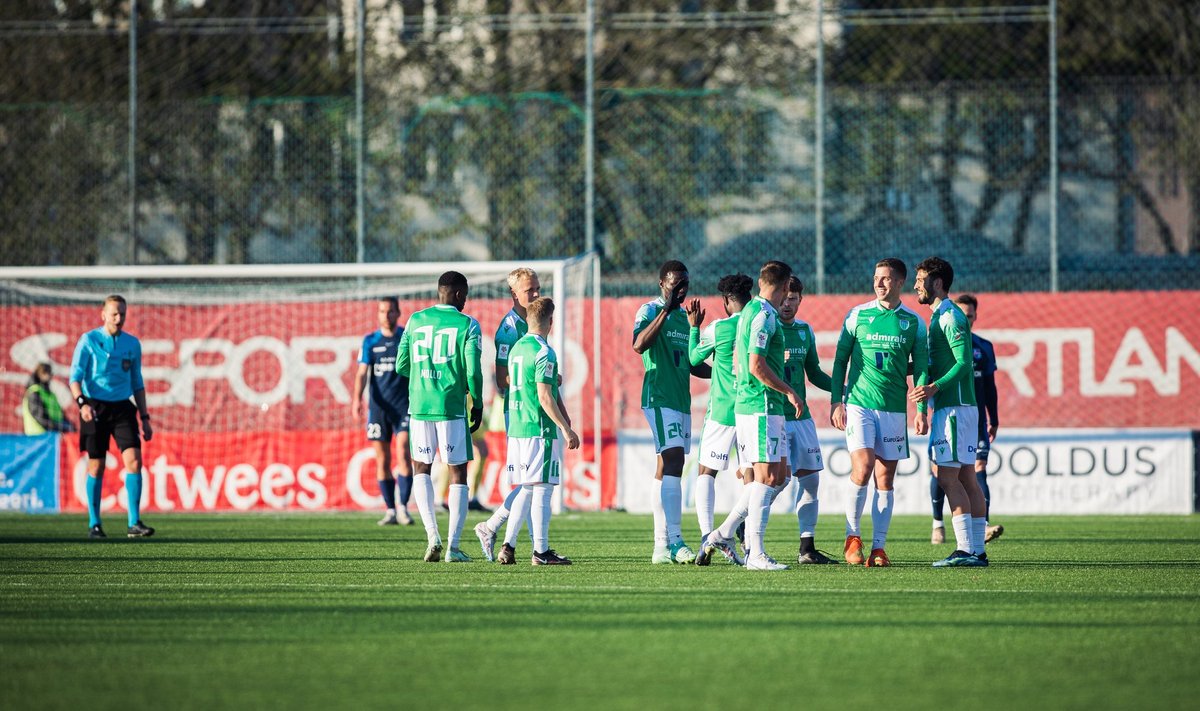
[(1030, 471)]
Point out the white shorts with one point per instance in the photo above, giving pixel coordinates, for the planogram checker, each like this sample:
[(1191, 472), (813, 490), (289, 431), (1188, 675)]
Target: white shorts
[(884, 432), (716, 443), (533, 460), (953, 435), (760, 438), (671, 428), (448, 439), (804, 449)]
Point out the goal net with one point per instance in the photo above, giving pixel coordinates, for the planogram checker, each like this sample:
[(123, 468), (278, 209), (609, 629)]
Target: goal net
[(249, 372)]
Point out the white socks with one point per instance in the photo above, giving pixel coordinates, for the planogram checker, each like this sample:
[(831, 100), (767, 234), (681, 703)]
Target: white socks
[(978, 533), (540, 516), (759, 511), (737, 515), (423, 493), (672, 503), (855, 502), (962, 532), (706, 496), (500, 515), (881, 517), (520, 503), (807, 505), (660, 518), (458, 512)]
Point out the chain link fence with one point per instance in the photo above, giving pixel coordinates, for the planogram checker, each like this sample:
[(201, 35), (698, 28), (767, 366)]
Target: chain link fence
[(1037, 147)]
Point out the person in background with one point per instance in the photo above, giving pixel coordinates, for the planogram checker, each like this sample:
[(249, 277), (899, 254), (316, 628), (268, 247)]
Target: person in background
[(40, 408)]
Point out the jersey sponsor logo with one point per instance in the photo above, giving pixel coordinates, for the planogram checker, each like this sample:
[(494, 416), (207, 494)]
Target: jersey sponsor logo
[(886, 338), (761, 339), (718, 456), (379, 349), (424, 450), (548, 372), (502, 350), (893, 439)]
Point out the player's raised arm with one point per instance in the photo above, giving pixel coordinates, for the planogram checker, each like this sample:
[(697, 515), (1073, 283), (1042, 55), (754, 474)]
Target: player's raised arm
[(652, 317), (701, 343)]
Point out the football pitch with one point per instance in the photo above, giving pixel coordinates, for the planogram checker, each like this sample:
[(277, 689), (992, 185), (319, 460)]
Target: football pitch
[(331, 611)]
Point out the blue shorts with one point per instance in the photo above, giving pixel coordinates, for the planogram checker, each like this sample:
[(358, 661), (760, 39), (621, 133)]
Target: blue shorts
[(984, 446), (384, 423)]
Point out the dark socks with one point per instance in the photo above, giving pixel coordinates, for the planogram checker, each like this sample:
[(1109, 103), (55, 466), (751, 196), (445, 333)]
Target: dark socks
[(387, 489)]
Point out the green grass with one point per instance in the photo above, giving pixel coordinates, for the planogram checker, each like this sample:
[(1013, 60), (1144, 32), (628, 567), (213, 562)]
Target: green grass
[(331, 611)]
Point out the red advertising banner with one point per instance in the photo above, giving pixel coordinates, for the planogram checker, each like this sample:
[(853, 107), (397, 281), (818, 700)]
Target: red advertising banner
[(292, 471), (1088, 359)]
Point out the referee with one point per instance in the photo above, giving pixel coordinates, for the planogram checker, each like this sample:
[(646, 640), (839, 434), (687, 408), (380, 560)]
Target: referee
[(105, 371)]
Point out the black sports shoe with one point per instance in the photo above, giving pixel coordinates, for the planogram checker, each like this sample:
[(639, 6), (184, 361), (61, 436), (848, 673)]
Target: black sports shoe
[(815, 557), (550, 558), (140, 530), (507, 555), (96, 532), (474, 505)]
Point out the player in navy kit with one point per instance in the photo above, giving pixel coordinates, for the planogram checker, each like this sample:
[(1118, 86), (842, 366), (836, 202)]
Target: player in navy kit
[(387, 410), (983, 355)]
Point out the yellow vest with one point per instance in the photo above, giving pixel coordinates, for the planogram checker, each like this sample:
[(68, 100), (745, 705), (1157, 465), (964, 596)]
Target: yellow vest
[(53, 411)]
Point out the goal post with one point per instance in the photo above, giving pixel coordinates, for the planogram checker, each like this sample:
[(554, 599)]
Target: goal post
[(250, 367)]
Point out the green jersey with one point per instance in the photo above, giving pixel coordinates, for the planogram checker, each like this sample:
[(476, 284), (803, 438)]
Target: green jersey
[(800, 359), (878, 344), (758, 332), (951, 358), (511, 328), (531, 361), (440, 352), (668, 372), (717, 340)]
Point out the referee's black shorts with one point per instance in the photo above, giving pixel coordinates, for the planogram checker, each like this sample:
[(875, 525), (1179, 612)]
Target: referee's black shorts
[(116, 420)]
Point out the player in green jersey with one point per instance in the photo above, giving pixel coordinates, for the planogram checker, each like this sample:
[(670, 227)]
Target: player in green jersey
[(763, 399), (800, 361), (719, 436), (955, 426), (535, 444), (440, 352), (524, 287), (660, 336), (877, 343)]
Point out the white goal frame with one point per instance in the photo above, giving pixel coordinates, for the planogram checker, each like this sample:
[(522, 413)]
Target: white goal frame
[(234, 272)]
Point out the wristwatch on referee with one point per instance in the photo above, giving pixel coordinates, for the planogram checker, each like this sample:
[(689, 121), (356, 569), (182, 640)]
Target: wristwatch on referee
[(81, 401)]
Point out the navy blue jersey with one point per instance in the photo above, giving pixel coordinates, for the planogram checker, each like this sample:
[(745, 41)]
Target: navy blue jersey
[(387, 388), (983, 355)]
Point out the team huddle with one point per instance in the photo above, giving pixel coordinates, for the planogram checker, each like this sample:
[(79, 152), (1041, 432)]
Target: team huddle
[(426, 388), (762, 355)]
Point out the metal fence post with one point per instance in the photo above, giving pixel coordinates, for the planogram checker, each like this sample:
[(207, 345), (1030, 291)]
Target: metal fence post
[(819, 168), (1053, 27), (132, 148), (360, 204)]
